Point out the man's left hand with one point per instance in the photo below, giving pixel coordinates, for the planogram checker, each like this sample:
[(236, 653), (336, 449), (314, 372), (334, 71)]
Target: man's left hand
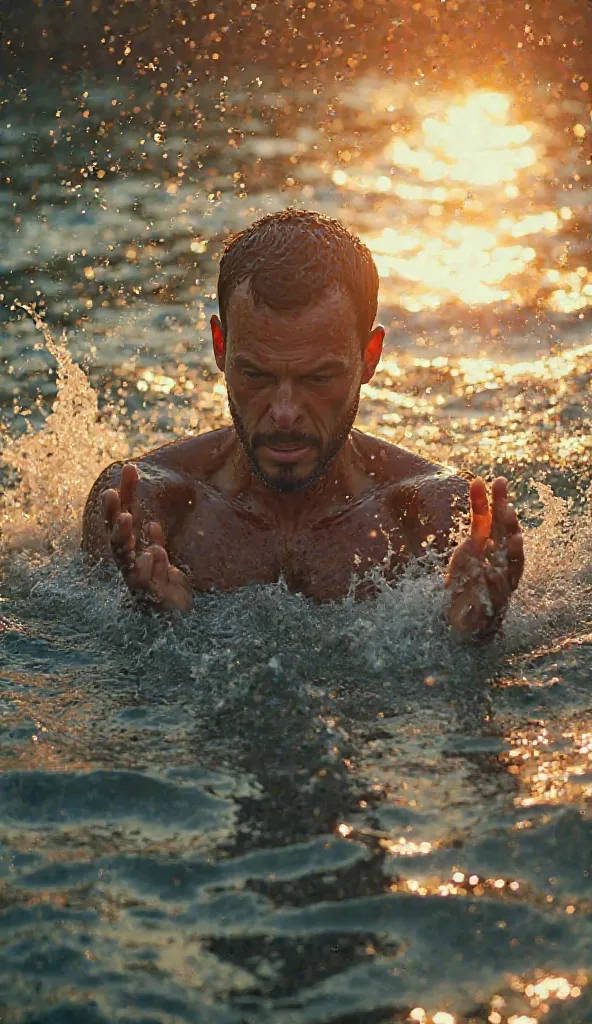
[(485, 569)]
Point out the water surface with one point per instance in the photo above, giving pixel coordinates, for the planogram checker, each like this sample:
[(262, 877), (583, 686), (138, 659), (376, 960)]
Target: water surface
[(271, 811)]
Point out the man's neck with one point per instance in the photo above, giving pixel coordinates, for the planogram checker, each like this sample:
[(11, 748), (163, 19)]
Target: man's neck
[(338, 483)]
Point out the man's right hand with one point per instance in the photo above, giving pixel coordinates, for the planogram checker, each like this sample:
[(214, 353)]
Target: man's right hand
[(139, 548)]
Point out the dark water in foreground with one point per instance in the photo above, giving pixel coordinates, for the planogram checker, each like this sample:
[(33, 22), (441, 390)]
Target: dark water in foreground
[(272, 811)]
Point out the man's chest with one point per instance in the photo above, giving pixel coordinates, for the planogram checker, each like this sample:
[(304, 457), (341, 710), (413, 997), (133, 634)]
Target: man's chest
[(226, 547)]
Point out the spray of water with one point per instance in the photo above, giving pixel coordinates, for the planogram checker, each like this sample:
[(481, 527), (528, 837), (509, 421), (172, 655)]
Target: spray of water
[(230, 637), (555, 596), (57, 465)]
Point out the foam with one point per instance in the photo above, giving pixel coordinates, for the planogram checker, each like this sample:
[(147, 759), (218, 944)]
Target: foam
[(227, 637)]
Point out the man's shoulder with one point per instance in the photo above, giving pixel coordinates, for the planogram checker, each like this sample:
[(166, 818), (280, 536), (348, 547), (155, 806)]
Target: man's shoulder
[(183, 463), (405, 469), (196, 457), (429, 498)]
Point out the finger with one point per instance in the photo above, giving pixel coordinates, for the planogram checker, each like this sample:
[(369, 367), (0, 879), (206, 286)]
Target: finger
[(155, 534), (160, 571), (505, 523), (151, 573), (140, 576), (505, 527), (123, 542), (499, 489), (127, 485), (111, 507), (511, 524), (480, 512), (502, 512), (499, 502), (138, 514), (515, 559)]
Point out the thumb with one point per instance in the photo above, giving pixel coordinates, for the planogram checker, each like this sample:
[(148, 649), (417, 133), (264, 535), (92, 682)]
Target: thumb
[(160, 569), (155, 534)]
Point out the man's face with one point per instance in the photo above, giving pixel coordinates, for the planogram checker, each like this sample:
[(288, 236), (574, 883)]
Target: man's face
[(293, 382)]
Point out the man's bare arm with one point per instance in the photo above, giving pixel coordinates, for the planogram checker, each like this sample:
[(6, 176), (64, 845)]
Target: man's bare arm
[(432, 507)]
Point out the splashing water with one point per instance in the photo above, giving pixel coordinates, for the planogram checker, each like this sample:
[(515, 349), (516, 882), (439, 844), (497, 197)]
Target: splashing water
[(57, 465), (271, 810), (555, 595)]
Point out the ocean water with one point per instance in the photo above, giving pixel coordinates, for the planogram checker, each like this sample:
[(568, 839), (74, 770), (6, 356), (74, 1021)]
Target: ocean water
[(273, 812)]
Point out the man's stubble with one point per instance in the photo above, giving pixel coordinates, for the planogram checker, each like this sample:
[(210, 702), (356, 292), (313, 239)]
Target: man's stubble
[(286, 482)]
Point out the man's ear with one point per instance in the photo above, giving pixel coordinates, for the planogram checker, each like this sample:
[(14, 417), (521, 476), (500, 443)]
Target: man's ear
[(218, 342), (372, 354)]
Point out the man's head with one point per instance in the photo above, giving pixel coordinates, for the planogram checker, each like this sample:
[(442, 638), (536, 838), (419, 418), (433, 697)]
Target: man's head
[(295, 339)]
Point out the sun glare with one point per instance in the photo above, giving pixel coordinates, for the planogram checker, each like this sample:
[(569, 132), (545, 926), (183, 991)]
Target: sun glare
[(463, 232), (478, 147)]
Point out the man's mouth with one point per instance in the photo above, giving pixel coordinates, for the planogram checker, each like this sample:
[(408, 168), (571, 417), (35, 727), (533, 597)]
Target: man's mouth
[(287, 451)]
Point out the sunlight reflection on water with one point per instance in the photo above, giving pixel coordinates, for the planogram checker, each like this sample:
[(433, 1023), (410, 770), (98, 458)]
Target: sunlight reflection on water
[(346, 763), (472, 175)]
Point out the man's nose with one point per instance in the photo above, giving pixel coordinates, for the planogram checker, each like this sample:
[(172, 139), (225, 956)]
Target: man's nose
[(285, 409)]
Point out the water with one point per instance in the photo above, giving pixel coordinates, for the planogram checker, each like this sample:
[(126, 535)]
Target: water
[(271, 811)]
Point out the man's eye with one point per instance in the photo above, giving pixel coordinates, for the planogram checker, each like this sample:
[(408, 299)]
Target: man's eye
[(254, 374), (320, 378)]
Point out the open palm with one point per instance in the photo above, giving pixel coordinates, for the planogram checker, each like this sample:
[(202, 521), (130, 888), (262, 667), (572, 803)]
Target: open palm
[(486, 568), (138, 548)]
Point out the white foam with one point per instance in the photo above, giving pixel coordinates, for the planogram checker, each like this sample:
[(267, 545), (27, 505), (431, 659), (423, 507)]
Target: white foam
[(57, 465), (225, 637)]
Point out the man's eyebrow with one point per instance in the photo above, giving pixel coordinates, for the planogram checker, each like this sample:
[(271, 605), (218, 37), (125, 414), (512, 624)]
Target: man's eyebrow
[(244, 361), (329, 366)]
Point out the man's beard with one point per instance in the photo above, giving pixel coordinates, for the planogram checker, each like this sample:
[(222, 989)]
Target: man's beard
[(287, 482)]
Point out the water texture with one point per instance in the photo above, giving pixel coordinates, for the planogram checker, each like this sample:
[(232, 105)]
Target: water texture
[(271, 812)]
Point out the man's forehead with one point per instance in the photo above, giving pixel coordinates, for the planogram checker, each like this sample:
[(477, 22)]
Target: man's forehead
[(333, 315)]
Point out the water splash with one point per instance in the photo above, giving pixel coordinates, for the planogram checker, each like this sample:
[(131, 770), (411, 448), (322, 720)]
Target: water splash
[(555, 595), (404, 629), (263, 639), (57, 465)]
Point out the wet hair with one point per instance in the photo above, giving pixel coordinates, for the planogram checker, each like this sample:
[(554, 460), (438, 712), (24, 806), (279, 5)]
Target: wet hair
[(290, 260)]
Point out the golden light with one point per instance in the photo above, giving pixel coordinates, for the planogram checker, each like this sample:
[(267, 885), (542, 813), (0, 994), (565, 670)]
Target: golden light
[(465, 262), (459, 240), (406, 847), (559, 987), (479, 371), (470, 143), (156, 382), (539, 994), (550, 776)]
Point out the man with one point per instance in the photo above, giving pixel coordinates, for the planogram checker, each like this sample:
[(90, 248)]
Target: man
[(291, 490)]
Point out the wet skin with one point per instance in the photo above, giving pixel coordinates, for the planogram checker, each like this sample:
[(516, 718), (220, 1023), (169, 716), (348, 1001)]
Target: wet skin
[(292, 491)]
